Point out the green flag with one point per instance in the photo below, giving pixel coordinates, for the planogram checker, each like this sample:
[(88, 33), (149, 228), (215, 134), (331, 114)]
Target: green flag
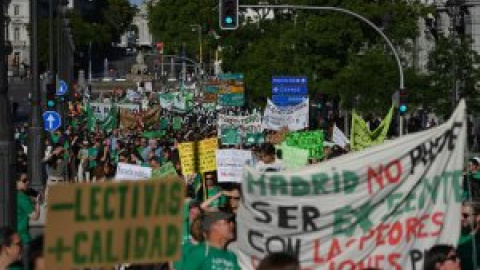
[(91, 120), (361, 137), (111, 121), (177, 123)]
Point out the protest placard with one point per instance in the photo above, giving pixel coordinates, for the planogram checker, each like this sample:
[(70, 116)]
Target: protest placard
[(377, 208), (230, 163), (310, 140), (103, 224), (230, 136), (207, 150), (294, 157), (244, 124), (127, 171), (187, 157), (177, 123), (293, 117), (166, 170)]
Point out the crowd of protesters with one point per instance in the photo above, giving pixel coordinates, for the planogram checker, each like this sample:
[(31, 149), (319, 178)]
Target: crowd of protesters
[(77, 155)]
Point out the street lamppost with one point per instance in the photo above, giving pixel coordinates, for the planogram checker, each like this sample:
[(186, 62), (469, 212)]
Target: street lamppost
[(8, 202), (198, 28), (35, 132)]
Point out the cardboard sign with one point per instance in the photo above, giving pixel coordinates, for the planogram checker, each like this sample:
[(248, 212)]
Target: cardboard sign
[(377, 208), (132, 172), (104, 224)]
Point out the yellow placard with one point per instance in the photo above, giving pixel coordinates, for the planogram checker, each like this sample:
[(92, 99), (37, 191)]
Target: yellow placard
[(207, 155), (187, 157), (106, 224)]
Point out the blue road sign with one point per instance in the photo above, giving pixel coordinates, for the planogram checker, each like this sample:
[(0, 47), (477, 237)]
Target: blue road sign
[(289, 90), (281, 100), (51, 120), (286, 80), (62, 88)]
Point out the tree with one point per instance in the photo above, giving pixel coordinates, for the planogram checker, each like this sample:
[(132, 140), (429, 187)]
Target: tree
[(322, 45), (452, 60)]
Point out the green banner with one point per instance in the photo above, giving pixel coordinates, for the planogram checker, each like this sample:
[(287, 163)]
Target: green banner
[(230, 136), (166, 170), (254, 138), (163, 123), (309, 140), (231, 99), (153, 134), (177, 123)]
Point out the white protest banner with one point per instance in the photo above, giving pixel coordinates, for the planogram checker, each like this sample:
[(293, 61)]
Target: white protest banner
[(132, 172), (100, 110), (294, 117), (339, 138), (230, 163), (381, 207), (243, 123)]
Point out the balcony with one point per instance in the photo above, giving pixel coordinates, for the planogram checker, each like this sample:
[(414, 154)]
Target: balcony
[(17, 44)]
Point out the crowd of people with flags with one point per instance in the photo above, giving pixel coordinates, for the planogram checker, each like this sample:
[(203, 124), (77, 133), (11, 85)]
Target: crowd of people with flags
[(99, 139)]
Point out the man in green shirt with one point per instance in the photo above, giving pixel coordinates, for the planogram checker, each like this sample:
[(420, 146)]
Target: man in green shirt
[(469, 242), (218, 228)]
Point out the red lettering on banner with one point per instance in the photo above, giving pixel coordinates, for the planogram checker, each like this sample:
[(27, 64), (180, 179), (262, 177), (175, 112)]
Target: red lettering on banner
[(395, 234), (334, 250), (392, 172), (381, 229), (437, 219), (316, 252)]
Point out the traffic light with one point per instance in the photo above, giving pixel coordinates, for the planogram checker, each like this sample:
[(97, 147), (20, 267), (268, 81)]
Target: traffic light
[(402, 105), (228, 14), (51, 96)]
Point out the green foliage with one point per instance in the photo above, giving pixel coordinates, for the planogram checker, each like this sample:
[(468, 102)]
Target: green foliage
[(452, 59), (339, 54)]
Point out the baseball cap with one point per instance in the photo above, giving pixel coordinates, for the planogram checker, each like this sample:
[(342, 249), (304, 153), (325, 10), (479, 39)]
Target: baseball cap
[(476, 160), (213, 217)]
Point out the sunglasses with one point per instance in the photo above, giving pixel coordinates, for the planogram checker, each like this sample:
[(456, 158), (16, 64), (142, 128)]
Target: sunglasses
[(25, 180), (234, 198), (464, 215), (453, 257)]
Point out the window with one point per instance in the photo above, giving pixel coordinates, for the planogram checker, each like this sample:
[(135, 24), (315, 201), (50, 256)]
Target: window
[(16, 34), (16, 10)]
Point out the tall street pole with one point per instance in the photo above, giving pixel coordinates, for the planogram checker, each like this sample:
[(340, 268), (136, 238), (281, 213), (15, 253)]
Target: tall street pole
[(35, 132), (8, 194)]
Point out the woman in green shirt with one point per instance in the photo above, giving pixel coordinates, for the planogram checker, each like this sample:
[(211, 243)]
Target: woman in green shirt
[(27, 210)]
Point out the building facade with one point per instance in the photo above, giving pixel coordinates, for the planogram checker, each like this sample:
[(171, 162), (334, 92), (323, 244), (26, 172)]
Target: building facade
[(17, 34)]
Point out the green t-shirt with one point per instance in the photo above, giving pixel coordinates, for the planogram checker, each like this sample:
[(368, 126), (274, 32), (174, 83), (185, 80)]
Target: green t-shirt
[(24, 209), (156, 173), (92, 153), (206, 257), (187, 247), (218, 202), (186, 223)]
